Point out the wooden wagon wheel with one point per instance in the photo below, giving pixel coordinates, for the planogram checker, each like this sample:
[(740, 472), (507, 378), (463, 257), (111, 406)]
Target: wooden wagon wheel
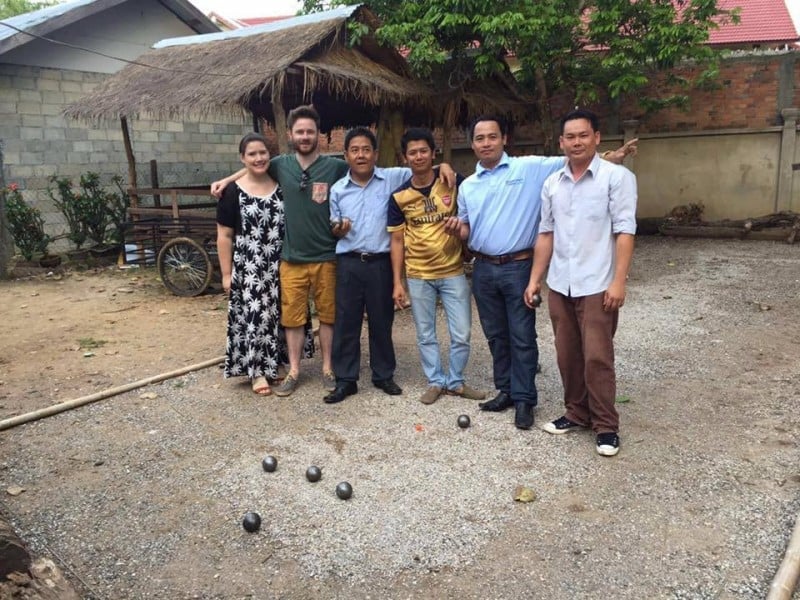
[(185, 267)]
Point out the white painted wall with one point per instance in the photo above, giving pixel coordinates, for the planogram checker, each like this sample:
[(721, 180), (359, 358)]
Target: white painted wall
[(126, 31)]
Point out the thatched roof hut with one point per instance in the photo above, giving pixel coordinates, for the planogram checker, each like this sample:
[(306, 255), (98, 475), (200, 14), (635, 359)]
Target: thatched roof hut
[(262, 69)]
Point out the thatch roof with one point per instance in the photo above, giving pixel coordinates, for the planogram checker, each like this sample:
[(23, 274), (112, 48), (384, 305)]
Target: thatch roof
[(234, 72)]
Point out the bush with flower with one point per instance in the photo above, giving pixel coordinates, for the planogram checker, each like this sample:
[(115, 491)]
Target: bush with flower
[(25, 224)]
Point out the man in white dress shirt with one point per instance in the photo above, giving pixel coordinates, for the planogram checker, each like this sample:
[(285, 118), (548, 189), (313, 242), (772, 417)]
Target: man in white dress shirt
[(586, 237)]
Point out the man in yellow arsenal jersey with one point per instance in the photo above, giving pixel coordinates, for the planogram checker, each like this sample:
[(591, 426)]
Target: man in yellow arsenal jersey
[(434, 267)]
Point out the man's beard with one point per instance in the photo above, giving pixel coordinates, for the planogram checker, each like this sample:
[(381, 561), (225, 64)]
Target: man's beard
[(304, 152)]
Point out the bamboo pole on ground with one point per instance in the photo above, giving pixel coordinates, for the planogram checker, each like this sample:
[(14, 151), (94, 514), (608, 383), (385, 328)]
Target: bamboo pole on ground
[(785, 581), (70, 404)]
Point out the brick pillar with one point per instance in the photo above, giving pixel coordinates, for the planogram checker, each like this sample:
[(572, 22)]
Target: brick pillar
[(783, 202)]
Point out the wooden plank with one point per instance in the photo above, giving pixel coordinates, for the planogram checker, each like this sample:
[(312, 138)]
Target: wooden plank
[(175, 208), (183, 191), (168, 213)]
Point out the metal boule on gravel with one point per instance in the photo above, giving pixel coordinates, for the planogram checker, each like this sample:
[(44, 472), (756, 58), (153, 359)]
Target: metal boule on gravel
[(344, 490), (251, 521), (463, 421), (313, 473), (269, 464)]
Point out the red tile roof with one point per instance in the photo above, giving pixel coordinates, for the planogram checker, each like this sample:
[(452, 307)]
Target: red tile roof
[(761, 22), (250, 21)]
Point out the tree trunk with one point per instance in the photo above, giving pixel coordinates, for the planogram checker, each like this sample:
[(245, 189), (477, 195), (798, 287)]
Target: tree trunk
[(543, 107)]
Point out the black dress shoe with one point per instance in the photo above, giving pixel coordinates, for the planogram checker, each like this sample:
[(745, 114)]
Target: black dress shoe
[(342, 391), (497, 404), (388, 386), (524, 417)]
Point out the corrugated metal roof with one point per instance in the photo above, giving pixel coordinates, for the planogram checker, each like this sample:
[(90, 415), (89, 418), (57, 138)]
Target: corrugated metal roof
[(47, 19), (761, 21), (33, 19), (342, 12)]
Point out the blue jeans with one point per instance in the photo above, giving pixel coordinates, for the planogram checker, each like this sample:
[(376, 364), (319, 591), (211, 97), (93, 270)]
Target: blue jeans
[(509, 326), (454, 292)]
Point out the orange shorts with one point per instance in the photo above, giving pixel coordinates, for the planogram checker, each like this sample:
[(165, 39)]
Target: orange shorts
[(298, 281)]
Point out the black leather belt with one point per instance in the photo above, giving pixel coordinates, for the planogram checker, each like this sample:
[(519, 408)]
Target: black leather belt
[(367, 256), (502, 259)]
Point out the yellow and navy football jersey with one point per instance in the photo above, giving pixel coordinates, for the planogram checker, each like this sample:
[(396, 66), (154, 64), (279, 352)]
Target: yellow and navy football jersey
[(430, 252)]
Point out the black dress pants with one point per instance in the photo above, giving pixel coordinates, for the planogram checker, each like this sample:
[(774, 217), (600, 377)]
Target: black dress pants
[(363, 282)]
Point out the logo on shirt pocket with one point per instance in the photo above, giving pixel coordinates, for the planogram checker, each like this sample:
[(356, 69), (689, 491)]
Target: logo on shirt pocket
[(517, 181), (319, 192)]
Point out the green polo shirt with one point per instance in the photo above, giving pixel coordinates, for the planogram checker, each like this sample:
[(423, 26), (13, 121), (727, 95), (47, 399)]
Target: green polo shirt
[(307, 237)]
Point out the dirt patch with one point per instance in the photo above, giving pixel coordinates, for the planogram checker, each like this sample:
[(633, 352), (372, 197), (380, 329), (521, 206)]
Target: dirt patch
[(141, 495)]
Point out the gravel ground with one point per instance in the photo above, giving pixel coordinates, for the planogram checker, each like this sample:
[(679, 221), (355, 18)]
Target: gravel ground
[(142, 497)]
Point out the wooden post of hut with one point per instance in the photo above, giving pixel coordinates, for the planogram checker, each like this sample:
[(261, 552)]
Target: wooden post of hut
[(126, 138), (280, 114), (449, 123), (390, 130)]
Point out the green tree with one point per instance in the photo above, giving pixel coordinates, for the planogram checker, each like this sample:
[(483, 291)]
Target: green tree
[(589, 47), (12, 8)]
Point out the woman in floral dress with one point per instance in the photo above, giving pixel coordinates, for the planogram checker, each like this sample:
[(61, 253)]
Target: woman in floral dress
[(249, 242)]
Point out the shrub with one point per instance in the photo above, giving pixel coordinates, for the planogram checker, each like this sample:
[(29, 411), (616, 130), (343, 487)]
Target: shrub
[(71, 206), (25, 224), (92, 212)]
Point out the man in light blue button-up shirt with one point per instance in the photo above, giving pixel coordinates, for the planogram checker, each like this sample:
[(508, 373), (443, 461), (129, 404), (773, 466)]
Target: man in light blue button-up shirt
[(586, 238), (359, 205), (498, 216)]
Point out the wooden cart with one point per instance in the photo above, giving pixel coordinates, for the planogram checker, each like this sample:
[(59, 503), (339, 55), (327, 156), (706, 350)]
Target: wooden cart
[(180, 239)]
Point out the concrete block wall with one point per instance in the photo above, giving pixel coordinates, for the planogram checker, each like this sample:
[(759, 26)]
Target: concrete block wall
[(38, 142)]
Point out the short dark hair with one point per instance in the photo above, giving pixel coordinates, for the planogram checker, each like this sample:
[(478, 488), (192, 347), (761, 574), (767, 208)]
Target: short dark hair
[(501, 122), (360, 132), (302, 112), (252, 137), (417, 134), (581, 113)]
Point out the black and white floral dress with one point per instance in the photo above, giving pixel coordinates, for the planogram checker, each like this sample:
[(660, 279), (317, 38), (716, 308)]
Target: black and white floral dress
[(256, 344)]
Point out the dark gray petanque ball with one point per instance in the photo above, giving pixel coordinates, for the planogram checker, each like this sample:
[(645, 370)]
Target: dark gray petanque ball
[(344, 490), (269, 464), (313, 473), (251, 521), (463, 421)]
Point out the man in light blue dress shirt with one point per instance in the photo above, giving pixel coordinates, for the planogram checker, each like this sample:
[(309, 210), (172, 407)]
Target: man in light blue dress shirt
[(498, 216), (586, 237), (359, 204)]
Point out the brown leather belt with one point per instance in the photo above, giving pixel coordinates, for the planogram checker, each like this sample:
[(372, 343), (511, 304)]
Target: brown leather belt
[(503, 258)]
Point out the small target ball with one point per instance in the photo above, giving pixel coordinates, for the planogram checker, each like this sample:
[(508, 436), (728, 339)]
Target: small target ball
[(344, 490), (463, 421), (269, 464), (251, 522), (313, 473)]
